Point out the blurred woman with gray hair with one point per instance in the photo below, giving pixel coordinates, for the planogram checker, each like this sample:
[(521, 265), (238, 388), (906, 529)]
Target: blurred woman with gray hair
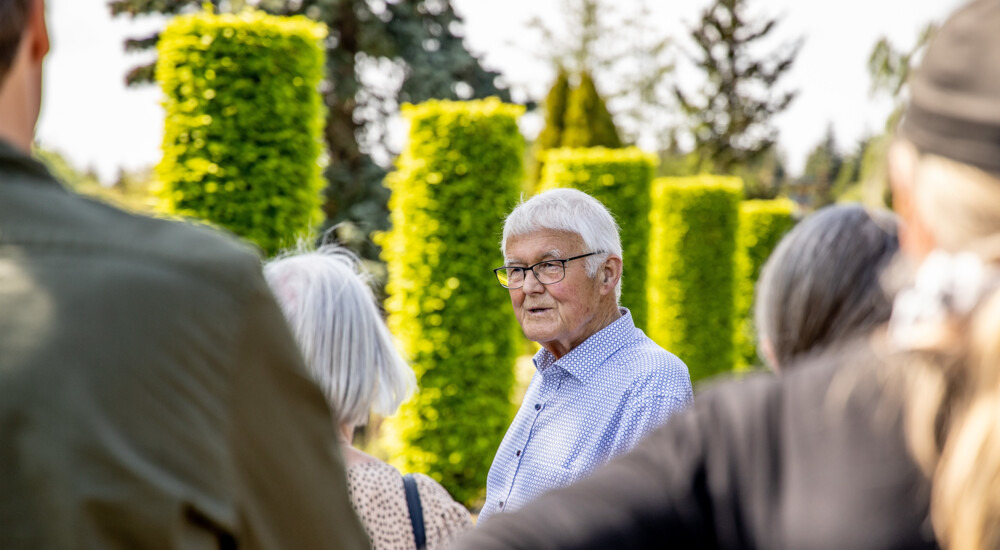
[(822, 284), (351, 354)]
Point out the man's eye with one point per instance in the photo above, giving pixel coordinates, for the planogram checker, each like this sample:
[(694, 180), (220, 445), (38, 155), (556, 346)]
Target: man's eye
[(549, 266)]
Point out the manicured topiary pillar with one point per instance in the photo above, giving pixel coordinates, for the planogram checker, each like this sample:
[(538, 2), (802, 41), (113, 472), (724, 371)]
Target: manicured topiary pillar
[(455, 181), (244, 122), (619, 178), (691, 269), (762, 224)]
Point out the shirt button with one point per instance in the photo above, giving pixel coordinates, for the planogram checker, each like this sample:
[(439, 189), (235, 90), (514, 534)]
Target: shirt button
[(538, 406), (501, 504), (518, 453)]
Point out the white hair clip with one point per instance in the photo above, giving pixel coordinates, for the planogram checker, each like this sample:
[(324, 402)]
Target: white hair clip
[(946, 286)]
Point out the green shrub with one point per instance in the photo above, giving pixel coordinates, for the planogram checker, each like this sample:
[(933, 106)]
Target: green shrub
[(762, 224), (691, 255), (244, 122), (619, 178), (455, 181)]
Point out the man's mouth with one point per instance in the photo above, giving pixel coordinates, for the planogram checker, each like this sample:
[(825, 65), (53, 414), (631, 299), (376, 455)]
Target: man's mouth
[(538, 309)]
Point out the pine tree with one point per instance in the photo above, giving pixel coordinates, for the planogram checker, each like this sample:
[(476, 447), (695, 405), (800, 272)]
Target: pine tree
[(588, 122), (574, 117), (555, 122), (626, 52), (848, 182), (889, 69), (765, 176), (731, 118), (555, 113), (822, 168), (418, 41)]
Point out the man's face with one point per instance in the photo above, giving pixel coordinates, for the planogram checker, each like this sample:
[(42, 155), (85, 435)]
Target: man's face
[(561, 315)]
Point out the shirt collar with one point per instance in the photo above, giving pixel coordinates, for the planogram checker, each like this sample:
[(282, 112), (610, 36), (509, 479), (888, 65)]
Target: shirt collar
[(13, 158), (582, 361)]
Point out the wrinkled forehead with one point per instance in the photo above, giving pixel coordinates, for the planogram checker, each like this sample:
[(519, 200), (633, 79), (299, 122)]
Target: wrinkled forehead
[(542, 244)]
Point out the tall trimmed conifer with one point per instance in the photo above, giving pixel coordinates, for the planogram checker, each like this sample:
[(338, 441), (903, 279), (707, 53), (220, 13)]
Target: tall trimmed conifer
[(555, 122), (588, 122)]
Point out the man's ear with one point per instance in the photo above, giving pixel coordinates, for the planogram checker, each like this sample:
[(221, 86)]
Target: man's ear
[(39, 31), (610, 273)]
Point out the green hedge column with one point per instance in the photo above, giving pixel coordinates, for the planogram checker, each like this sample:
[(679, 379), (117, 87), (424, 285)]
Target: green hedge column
[(762, 224), (455, 181), (244, 122), (691, 267), (619, 178)]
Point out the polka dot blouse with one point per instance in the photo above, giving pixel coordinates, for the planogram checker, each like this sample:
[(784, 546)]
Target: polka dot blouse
[(376, 491)]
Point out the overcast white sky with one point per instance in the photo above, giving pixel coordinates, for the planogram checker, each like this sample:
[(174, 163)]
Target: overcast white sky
[(91, 117)]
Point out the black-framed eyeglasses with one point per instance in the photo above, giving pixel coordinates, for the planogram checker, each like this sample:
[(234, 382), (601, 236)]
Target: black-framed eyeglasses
[(547, 272)]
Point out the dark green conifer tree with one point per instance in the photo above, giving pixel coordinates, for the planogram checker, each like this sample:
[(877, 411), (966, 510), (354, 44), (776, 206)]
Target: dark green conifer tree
[(555, 113), (588, 122), (555, 119), (730, 118), (822, 169)]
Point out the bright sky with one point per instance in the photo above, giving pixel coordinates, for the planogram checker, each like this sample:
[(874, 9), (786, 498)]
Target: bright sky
[(91, 117)]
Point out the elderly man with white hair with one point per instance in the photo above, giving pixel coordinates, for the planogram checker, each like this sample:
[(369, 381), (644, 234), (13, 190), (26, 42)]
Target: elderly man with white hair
[(601, 384)]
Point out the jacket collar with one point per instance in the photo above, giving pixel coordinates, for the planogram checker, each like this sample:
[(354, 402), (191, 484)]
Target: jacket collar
[(13, 159)]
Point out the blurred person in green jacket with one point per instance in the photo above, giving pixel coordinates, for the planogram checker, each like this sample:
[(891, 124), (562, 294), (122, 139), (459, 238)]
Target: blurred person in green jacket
[(151, 394)]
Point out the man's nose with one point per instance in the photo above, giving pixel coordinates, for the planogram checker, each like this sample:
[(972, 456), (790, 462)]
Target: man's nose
[(531, 284)]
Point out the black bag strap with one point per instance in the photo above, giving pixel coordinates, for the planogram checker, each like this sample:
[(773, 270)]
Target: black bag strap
[(416, 511)]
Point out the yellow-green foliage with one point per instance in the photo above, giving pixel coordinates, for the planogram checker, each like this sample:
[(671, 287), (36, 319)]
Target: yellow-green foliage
[(244, 123), (455, 181), (619, 178), (691, 255), (762, 224)]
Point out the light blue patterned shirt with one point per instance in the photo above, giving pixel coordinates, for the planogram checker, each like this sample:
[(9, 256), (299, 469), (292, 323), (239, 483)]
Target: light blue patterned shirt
[(579, 411)]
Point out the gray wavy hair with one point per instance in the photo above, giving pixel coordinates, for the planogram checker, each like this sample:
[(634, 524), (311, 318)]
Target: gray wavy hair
[(347, 347), (822, 284)]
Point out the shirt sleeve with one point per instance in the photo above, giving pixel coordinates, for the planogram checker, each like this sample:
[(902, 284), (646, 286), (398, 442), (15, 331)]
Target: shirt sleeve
[(289, 475)]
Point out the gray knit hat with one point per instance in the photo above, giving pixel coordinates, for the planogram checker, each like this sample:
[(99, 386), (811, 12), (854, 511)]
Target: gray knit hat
[(954, 108)]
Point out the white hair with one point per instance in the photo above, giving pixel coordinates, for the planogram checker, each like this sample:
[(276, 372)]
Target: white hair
[(573, 211), (346, 345)]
